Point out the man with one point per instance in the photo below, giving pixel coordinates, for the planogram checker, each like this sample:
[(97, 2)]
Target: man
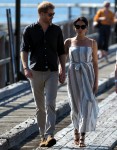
[(106, 18), (44, 41)]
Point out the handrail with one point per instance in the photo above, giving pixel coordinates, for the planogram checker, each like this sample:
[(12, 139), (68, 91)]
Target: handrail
[(5, 61)]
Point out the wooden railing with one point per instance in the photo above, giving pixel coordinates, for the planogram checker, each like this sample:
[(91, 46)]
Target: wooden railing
[(3, 59)]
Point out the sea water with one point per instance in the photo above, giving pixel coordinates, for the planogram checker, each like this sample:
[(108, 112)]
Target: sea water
[(30, 15)]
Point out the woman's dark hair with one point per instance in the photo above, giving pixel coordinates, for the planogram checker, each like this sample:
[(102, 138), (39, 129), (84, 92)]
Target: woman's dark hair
[(81, 19)]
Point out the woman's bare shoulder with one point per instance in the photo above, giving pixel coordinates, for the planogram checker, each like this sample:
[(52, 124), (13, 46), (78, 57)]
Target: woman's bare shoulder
[(91, 40)]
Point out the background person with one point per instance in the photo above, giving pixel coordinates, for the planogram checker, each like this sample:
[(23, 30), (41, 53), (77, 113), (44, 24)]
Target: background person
[(82, 80), (106, 18), (44, 41), (115, 29)]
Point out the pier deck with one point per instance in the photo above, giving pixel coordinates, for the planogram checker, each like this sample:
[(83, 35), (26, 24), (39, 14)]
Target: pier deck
[(105, 136)]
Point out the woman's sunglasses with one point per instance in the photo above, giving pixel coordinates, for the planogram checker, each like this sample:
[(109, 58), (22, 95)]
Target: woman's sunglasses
[(78, 26)]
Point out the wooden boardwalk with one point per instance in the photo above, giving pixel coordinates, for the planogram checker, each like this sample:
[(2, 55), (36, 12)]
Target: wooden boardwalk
[(105, 136), (17, 109)]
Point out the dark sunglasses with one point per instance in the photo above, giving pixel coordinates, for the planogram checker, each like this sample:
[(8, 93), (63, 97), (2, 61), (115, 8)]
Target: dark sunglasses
[(78, 26), (50, 14)]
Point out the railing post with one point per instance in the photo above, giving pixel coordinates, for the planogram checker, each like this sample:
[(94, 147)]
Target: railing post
[(2, 56), (11, 45), (17, 39), (115, 6), (69, 13), (91, 12)]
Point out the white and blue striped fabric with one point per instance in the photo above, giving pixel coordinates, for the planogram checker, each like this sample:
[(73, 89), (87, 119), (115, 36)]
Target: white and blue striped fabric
[(81, 76)]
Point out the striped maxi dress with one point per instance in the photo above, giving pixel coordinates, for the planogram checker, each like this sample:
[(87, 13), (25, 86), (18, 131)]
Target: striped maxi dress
[(84, 107)]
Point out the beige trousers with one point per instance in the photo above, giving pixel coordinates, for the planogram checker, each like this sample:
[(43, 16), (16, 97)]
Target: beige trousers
[(44, 88)]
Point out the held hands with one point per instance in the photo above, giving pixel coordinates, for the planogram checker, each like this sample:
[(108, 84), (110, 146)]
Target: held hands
[(28, 73), (62, 76)]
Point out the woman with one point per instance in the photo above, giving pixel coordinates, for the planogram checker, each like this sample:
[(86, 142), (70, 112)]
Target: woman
[(82, 80)]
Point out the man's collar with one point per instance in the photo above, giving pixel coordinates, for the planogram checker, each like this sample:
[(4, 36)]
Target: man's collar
[(40, 24)]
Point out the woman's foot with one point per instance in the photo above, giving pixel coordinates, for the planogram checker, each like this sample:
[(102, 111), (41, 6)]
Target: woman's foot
[(76, 137), (81, 140)]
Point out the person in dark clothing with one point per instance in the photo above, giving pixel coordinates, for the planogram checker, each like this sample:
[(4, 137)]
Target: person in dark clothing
[(43, 40), (115, 26)]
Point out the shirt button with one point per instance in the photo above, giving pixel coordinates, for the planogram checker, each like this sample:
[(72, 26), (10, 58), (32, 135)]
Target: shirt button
[(45, 55), (46, 66), (45, 47)]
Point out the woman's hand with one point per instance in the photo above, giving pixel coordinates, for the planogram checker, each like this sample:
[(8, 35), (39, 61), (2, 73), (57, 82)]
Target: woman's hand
[(62, 77)]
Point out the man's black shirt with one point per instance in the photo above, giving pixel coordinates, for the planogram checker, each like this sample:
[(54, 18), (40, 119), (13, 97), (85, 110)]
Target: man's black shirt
[(44, 48)]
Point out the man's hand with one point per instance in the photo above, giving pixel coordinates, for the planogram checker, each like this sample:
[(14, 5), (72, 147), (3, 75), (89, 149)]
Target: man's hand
[(28, 73), (62, 77)]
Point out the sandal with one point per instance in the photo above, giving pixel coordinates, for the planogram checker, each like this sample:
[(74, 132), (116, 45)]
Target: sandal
[(76, 137), (81, 140)]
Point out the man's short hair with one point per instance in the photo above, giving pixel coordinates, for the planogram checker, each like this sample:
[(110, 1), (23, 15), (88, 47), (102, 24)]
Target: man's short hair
[(44, 6)]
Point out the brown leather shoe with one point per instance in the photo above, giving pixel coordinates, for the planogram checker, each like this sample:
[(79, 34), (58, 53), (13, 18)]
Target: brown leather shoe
[(43, 142), (50, 141)]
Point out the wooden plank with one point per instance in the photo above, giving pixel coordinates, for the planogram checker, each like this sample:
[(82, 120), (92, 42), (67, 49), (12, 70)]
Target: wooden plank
[(13, 89), (3, 144), (106, 116), (5, 61), (107, 100), (102, 137), (105, 136), (111, 140), (20, 132)]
